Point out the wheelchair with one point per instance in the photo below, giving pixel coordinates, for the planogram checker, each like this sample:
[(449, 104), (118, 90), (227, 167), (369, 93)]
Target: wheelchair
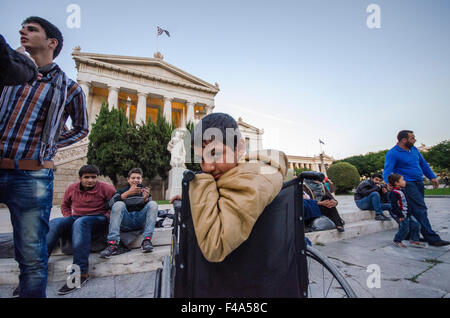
[(274, 262)]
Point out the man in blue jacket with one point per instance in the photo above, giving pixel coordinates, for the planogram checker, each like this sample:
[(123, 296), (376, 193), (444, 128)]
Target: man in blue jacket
[(406, 160)]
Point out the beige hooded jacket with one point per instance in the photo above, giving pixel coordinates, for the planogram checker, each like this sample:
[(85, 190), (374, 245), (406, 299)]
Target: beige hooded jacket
[(225, 211)]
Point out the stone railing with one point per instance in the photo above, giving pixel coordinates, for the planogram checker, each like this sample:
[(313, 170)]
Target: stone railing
[(73, 152)]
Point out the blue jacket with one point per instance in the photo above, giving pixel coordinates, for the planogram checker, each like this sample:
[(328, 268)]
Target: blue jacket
[(410, 164)]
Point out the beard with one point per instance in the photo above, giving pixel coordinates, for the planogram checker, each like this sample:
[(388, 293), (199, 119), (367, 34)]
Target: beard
[(409, 145)]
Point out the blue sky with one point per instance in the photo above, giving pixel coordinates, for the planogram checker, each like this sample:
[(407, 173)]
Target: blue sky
[(302, 70)]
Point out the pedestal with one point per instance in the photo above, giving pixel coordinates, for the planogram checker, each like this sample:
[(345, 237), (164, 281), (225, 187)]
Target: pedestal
[(175, 178)]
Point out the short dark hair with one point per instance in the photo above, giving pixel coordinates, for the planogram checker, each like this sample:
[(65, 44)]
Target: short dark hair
[(393, 178), (135, 170), (88, 169), (377, 175), (403, 134), (51, 31), (220, 121)]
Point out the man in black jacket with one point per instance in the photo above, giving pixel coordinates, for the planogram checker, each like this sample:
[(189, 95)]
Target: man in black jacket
[(368, 196), (17, 68), (132, 209)]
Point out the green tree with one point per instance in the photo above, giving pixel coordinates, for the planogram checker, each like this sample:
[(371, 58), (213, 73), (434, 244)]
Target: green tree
[(439, 156), (344, 175), (368, 164), (108, 149), (190, 162), (117, 146)]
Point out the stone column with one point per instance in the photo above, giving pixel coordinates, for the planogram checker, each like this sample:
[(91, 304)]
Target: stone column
[(168, 109), (190, 112), (113, 97), (141, 109), (86, 87)]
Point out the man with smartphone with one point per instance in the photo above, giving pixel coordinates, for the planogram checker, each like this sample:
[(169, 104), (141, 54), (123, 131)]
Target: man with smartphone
[(132, 209)]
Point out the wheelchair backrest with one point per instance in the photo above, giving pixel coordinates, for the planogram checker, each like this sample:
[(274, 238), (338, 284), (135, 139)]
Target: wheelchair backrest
[(270, 263)]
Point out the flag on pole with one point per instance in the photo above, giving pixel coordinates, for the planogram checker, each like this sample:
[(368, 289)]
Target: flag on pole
[(321, 142), (160, 31)]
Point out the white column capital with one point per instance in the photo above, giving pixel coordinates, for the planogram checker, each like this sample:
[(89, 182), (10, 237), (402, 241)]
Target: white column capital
[(142, 94)]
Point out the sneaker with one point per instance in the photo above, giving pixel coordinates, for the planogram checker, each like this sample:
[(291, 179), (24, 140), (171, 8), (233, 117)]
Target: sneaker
[(66, 289), (16, 292), (400, 244), (111, 249), (440, 243), (146, 245), (381, 217), (340, 229), (418, 244)]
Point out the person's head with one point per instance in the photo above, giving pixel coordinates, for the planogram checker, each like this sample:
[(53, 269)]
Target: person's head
[(135, 176), (377, 178), (39, 35), (218, 142), (396, 180), (88, 176), (406, 138)]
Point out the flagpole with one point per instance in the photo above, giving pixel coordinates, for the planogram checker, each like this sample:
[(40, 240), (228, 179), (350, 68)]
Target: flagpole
[(157, 40)]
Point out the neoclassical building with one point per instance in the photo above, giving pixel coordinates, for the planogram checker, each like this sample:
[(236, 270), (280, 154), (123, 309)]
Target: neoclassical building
[(141, 87), (318, 163)]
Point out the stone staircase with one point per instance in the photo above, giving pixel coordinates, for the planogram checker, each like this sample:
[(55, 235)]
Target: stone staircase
[(357, 223)]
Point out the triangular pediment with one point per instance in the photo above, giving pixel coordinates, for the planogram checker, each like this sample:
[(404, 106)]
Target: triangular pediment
[(152, 67)]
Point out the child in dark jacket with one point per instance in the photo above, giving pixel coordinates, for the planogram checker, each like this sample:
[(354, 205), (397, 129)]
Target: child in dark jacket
[(408, 224)]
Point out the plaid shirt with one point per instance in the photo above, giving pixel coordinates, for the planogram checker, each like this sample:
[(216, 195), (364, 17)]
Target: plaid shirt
[(23, 111)]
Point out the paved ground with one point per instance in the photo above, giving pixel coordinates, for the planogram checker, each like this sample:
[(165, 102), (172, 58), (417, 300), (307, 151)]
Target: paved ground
[(407, 272)]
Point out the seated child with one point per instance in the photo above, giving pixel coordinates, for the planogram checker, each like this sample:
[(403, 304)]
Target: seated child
[(229, 196), (407, 223)]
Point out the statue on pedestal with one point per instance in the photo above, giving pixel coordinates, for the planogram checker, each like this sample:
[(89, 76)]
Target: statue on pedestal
[(177, 151), (177, 161)]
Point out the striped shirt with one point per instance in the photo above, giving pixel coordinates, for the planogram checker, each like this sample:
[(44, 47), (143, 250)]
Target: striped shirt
[(23, 111)]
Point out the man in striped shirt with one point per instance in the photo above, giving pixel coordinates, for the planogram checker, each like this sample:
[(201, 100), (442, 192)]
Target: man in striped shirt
[(32, 128)]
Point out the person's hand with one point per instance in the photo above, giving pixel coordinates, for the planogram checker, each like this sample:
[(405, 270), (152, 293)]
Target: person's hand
[(401, 219), (435, 183), (177, 197), (21, 50), (389, 187), (145, 193), (134, 190), (384, 190)]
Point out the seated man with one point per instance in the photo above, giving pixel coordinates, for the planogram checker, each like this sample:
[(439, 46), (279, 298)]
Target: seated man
[(368, 196), (84, 211), (230, 195), (132, 210), (326, 202)]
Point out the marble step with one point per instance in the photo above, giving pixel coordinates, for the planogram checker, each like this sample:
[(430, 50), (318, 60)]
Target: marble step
[(128, 263), (354, 229)]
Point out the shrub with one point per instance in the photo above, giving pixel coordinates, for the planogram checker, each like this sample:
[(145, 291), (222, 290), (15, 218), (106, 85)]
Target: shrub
[(344, 175)]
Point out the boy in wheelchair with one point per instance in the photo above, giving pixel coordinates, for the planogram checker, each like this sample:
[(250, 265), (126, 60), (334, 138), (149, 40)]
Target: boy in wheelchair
[(233, 190)]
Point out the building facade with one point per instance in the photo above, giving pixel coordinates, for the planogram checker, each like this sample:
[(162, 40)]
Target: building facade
[(318, 163)]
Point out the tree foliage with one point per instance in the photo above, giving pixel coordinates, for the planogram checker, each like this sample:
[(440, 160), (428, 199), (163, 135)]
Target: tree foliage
[(344, 175), (439, 156), (116, 146), (367, 164)]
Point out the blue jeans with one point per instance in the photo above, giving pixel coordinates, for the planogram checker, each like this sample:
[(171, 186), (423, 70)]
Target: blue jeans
[(29, 196), (123, 220), (372, 202), (408, 226), (415, 196), (80, 229)]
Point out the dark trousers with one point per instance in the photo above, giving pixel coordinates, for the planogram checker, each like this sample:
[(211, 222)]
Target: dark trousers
[(415, 196), (81, 229), (332, 214)]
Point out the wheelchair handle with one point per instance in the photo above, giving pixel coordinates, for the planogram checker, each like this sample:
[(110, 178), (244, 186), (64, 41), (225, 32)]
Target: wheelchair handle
[(314, 175)]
